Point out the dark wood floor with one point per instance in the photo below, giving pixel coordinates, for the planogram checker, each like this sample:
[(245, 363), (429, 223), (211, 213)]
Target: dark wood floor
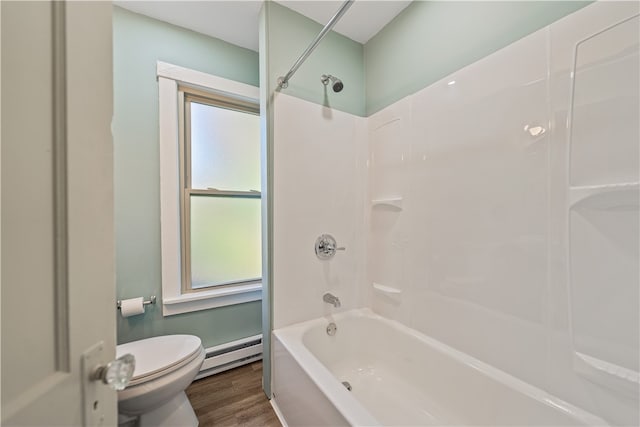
[(233, 398)]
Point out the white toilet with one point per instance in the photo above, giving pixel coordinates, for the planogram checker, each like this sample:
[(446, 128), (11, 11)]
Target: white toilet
[(165, 366)]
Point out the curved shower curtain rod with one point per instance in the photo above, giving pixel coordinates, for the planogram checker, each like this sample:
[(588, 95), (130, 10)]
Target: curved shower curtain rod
[(283, 82)]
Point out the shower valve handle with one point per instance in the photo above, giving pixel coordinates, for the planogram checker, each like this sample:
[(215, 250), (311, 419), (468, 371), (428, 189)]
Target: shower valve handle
[(326, 247)]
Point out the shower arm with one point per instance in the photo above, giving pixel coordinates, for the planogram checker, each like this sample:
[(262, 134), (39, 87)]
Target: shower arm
[(283, 82)]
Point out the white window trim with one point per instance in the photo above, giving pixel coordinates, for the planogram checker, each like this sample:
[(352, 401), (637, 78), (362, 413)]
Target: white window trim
[(173, 300)]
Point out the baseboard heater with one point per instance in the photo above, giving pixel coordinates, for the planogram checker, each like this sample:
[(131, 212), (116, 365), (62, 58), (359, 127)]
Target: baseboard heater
[(231, 355)]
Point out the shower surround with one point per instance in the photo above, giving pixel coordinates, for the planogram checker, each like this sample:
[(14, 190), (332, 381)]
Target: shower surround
[(495, 212)]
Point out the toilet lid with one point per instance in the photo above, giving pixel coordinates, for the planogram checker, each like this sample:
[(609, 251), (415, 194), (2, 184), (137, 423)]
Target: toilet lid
[(161, 353)]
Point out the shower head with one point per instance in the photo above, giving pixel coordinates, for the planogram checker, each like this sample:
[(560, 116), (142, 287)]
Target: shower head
[(336, 83)]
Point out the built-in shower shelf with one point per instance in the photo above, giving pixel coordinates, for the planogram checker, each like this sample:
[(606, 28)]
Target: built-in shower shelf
[(394, 202), (388, 290), (605, 196)]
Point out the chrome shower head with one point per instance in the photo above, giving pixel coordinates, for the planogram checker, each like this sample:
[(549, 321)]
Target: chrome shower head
[(336, 83)]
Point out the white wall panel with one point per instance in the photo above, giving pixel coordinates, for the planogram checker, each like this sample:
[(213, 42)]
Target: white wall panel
[(486, 263), (600, 149), (483, 207), (389, 228), (318, 169)]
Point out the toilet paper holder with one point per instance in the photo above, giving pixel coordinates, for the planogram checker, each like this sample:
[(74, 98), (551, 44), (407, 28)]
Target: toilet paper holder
[(152, 300)]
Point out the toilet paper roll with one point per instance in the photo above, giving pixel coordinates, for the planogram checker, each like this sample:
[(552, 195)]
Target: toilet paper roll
[(131, 307)]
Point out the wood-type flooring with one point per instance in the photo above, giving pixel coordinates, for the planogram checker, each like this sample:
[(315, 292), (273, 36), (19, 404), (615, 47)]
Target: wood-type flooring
[(233, 398)]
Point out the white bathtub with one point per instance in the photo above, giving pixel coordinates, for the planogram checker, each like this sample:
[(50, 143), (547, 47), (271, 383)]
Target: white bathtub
[(398, 377)]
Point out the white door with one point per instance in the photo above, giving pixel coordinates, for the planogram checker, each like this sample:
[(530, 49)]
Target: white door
[(57, 254)]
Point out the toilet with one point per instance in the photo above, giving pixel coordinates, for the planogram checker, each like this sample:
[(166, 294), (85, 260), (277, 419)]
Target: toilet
[(165, 366)]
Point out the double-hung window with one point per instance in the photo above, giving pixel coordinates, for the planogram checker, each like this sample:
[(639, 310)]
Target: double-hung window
[(210, 190)]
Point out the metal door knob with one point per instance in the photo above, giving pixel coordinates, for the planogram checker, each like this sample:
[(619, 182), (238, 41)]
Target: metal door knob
[(116, 374)]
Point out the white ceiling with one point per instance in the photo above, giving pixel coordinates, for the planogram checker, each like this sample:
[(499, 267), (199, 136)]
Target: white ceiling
[(362, 21), (237, 21)]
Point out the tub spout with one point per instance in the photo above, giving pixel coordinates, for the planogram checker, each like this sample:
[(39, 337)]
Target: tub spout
[(331, 299)]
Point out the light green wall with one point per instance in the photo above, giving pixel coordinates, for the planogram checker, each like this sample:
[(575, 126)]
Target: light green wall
[(424, 43), (431, 39), (138, 42), (289, 35)]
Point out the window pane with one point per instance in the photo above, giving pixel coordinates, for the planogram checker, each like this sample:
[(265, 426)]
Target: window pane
[(225, 149), (225, 240)]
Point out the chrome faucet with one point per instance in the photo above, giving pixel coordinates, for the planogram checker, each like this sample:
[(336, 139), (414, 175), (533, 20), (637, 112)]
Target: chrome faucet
[(331, 299)]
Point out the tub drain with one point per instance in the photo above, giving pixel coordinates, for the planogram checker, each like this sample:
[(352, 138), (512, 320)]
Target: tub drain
[(347, 385), (331, 329)]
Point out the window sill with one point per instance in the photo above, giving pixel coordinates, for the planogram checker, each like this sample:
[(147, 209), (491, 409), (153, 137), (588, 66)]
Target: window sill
[(213, 298)]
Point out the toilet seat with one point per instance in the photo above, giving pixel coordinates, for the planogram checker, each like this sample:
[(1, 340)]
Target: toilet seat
[(159, 356)]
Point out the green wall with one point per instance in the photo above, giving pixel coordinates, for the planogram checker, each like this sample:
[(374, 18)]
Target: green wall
[(431, 39), (424, 43), (138, 42), (289, 35)]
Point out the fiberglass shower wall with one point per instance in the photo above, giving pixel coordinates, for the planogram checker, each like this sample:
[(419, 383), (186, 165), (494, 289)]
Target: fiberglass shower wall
[(504, 210), (319, 165), (318, 159)]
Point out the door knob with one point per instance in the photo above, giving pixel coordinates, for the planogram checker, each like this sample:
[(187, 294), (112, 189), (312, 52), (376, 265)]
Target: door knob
[(117, 373)]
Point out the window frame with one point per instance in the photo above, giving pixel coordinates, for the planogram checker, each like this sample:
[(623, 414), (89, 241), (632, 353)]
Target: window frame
[(172, 82), (186, 96)]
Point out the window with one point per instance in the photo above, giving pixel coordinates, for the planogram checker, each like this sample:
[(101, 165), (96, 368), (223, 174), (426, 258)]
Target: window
[(220, 213), (210, 190)]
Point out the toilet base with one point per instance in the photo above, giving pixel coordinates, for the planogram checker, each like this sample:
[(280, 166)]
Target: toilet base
[(177, 412)]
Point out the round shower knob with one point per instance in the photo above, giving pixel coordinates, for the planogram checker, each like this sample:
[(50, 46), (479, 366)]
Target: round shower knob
[(117, 373), (326, 246)]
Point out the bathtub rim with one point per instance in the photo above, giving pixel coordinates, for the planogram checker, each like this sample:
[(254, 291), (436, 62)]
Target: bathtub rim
[(291, 337)]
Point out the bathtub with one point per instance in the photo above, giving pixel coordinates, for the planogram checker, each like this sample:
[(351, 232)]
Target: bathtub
[(398, 376)]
